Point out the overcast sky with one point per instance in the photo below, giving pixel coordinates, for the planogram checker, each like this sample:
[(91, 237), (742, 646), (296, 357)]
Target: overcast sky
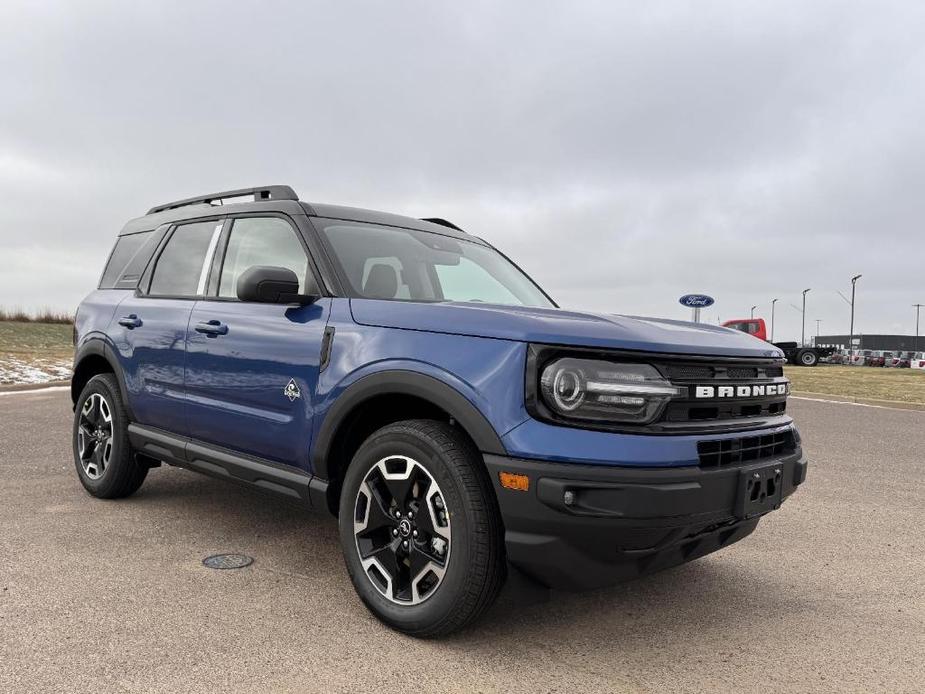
[(624, 153)]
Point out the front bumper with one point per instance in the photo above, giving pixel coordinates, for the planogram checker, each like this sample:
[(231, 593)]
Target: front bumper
[(618, 523)]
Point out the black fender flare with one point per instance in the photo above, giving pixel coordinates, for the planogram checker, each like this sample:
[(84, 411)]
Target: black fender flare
[(401, 382), (98, 347)]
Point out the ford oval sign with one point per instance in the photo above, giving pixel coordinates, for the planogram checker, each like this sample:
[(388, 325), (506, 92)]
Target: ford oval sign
[(696, 300)]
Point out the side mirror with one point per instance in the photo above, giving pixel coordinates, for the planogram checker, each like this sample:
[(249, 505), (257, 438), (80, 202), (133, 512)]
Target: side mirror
[(267, 284)]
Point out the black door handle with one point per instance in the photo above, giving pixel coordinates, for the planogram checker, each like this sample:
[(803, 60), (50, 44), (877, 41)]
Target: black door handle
[(212, 327), (130, 321)]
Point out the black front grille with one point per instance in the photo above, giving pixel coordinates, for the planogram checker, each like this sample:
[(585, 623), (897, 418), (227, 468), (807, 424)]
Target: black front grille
[(690, 375), (687, 411), (709, 374), (688, 372), (732, 452)]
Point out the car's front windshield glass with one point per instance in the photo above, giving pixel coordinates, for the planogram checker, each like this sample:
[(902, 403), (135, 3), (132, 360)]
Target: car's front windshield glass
[(381, 262)]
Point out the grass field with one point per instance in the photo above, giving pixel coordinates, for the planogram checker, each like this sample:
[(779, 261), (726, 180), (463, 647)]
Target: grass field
[(899, 385), (45, 315), (34, 352)]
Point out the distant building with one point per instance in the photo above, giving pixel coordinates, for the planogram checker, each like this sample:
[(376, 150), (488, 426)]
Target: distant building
[(895, 343)]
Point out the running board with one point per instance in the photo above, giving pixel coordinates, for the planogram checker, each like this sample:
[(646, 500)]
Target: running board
[(224, 464)]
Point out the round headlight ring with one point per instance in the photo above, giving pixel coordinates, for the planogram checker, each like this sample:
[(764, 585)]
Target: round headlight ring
[(568, 389)]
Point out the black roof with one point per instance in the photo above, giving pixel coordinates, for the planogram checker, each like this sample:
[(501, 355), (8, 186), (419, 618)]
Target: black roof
[(278, 198)]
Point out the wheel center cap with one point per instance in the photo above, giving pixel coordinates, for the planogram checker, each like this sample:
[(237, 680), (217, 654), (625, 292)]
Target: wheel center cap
[(404, 527)]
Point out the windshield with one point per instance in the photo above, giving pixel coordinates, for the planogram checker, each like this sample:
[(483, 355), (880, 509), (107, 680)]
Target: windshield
[(380, 262)]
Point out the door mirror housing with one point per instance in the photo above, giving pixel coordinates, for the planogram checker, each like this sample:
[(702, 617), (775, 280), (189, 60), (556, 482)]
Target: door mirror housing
[(267, 284)]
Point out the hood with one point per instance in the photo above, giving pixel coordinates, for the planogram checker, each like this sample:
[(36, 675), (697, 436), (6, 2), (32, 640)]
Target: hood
[(562, 327)]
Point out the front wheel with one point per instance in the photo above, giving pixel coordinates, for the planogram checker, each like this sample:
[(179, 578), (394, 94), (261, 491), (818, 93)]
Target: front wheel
[(420, 528)]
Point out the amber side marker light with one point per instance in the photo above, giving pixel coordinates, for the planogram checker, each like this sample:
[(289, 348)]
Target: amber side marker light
[(519, 483)]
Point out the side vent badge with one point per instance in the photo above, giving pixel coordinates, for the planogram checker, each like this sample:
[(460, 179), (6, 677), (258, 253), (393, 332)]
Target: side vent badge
[(292, 391)]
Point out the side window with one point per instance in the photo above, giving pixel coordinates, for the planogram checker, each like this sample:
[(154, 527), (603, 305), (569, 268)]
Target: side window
[(261, 241), (125, 249), (181, 269), (468, 281)]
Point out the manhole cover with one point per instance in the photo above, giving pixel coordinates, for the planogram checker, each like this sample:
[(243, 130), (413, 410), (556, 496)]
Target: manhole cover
[(228, 561)]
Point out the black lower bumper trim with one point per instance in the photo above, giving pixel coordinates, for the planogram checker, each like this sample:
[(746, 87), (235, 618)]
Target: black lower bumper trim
[(584, 526)]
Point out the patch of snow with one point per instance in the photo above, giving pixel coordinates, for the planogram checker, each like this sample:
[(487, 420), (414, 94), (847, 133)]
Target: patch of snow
[(14, 370)]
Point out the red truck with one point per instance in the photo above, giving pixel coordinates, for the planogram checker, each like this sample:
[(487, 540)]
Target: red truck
[(801, 356)]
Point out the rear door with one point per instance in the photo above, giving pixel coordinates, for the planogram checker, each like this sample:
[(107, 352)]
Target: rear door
[(149, 328), (252, 368)]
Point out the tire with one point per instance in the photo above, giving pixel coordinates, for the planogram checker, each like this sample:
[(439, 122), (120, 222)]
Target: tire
[(807, 357), (103, 455), (424, 593)]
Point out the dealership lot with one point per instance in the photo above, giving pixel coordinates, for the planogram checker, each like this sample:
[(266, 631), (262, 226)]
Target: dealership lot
[(827, 595)]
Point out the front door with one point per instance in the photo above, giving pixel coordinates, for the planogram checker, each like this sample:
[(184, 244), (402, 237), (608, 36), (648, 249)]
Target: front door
[(252, 368)]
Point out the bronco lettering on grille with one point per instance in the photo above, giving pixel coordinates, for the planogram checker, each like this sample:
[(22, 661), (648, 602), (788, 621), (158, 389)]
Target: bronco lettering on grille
[(746, 391)]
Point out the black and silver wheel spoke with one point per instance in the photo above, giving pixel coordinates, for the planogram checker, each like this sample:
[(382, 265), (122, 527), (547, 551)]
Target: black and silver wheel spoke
[(422, 556), (94, 436), (402, 530), (380, 510), (400, 489), (387, 557)]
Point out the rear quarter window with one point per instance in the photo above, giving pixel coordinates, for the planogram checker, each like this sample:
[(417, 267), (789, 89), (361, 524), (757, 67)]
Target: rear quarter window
[(123, 255)]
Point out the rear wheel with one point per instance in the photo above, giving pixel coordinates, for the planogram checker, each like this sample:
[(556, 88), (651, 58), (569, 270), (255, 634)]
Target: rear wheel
[(103, 456), (420, 528), (807, 357)]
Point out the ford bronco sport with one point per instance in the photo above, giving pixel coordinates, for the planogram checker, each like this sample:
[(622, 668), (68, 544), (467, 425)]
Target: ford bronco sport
[(409, 378)]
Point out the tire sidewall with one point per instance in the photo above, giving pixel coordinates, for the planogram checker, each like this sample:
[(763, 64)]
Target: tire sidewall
[(101, 385), (441, 604)]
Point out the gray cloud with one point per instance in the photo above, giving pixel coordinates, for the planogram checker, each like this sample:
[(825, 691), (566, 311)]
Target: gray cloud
[(624, 153)]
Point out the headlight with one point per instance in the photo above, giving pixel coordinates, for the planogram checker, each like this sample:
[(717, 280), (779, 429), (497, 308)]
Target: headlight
[(597, 390)]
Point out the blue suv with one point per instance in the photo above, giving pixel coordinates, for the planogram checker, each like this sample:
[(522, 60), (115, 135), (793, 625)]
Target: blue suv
[(412, 380)]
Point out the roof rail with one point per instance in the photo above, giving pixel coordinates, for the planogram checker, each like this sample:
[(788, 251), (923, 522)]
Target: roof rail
[(441, 222), (261, 193)]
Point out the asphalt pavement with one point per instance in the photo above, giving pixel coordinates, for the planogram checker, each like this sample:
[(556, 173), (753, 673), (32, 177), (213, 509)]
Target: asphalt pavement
[(110, 596)]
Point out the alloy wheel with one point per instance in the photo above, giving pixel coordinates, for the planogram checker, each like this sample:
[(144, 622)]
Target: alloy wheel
[(94, 436), (402, 529)]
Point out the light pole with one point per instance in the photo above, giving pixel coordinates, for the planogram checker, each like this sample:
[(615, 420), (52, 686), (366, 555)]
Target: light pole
[(854, 281), (917, 307), (753, 311), (803, 337), (773, 301)]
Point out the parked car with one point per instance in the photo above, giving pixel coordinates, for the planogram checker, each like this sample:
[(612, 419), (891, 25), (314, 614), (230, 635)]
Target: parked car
[(899, 360), (875, 358), (918, 361), (859, 357), (842, 356), (411, 380)]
